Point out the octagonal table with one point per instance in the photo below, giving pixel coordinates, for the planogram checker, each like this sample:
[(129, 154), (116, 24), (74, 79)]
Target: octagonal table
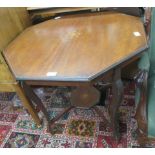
[(77, 51)]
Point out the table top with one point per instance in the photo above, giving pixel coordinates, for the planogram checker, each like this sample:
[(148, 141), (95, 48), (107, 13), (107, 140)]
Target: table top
[(77, 48)]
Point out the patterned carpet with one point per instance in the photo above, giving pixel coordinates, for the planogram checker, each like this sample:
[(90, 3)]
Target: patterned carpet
[(78, 128)]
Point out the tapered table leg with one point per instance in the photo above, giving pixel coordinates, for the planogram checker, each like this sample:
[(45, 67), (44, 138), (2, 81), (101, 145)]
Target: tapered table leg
[(33, 97), (27, 104), (117, 97)]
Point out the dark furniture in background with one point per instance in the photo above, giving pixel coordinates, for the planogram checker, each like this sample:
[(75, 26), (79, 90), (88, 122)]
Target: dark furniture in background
[(42, 14), (145, 92)]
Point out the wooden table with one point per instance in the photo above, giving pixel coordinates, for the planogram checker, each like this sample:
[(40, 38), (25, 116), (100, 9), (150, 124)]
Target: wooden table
[(77, 51)]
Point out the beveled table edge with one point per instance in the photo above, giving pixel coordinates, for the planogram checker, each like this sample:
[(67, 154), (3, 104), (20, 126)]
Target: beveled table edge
[(139, 51), (77, 79)]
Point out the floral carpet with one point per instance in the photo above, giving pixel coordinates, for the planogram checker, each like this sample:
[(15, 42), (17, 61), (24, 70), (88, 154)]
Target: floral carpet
[(80, 128)]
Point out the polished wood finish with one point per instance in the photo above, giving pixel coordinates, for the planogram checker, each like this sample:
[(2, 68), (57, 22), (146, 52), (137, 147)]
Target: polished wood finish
[(75, 49), (13, 22)]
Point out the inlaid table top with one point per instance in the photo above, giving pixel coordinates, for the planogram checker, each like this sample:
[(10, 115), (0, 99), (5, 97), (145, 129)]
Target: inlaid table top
[(77, 48)]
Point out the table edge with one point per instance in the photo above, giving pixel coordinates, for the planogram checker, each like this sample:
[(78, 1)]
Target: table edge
[(79, 79)]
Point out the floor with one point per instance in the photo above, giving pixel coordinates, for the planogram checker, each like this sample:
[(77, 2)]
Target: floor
[(78, 128)]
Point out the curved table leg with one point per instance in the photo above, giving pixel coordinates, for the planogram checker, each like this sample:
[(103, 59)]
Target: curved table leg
[(117, 97), (141, 111)]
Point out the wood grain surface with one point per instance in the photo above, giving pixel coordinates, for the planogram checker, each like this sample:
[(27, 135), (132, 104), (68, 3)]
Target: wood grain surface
[(5, 75), (13, 22), (75, 48)]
